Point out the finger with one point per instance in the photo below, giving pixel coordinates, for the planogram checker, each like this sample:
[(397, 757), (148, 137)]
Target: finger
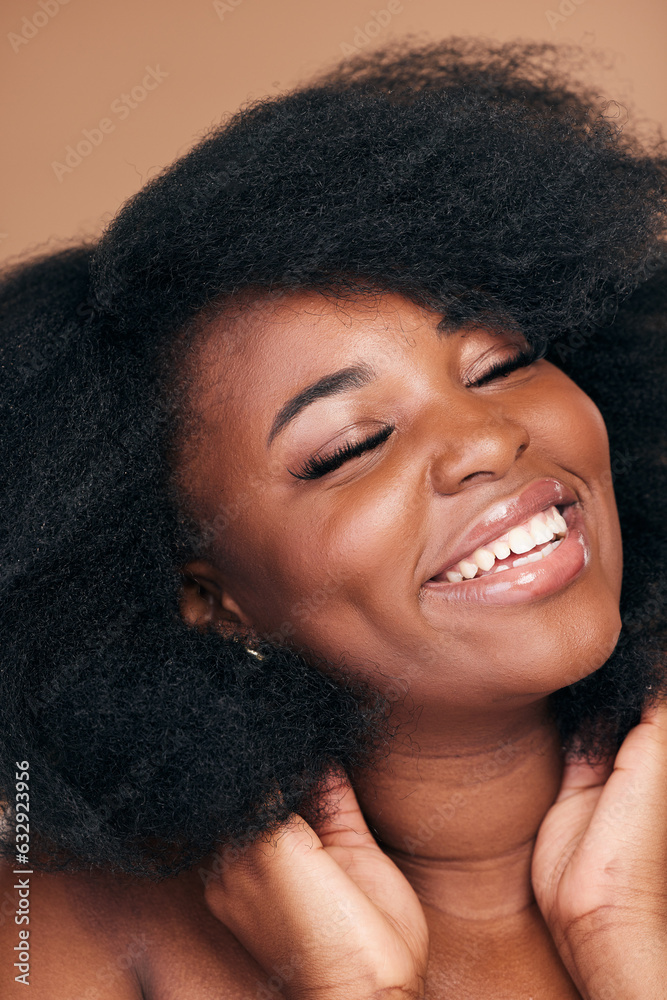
[(632, 809), (290, 897), (581, 775), (290, 867), (344, 824), (655, 713), (644, 750)]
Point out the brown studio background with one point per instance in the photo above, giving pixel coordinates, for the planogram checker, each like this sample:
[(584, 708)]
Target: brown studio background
[(133, 84)]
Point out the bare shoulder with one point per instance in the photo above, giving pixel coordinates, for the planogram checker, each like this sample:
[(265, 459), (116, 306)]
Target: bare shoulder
[(99, 936)]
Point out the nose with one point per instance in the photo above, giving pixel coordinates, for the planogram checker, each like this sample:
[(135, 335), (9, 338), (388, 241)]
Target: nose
[(478, 444)]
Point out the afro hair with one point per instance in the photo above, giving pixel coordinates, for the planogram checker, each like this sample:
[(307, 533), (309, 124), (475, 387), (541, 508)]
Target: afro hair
[(474, 178)]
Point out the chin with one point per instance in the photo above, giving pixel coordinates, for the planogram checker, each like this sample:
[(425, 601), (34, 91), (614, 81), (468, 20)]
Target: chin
[(560, 641), (575, 639)]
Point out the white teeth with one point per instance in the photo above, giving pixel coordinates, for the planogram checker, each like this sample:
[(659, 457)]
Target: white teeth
[(555, 521), (467, 569), (536, 556), (531, 557), (539, 531), (561, 523), (549, 518), (501, 550), (520, 540), (484, 558)]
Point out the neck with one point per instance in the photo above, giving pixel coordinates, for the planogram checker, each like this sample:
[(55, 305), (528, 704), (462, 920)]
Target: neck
[(461, 820)]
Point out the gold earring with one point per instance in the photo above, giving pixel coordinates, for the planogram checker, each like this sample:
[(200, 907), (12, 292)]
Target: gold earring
[(253, 652)]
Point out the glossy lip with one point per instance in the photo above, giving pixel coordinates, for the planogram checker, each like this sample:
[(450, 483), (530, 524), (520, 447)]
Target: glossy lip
[(529, 582), (509, 513)]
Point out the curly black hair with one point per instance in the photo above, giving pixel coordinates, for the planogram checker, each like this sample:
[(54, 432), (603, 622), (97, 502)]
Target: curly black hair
[(471, 177)]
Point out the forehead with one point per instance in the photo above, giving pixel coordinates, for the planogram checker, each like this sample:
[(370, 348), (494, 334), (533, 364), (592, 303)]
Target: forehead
[(252, 357), (307, 321)]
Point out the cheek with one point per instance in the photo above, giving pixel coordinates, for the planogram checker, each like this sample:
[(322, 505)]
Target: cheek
[(326, 581), (570, 428), (332, 576), (570, 425)]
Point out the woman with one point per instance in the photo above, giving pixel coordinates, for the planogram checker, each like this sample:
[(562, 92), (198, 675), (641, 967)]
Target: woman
[(312, 592)]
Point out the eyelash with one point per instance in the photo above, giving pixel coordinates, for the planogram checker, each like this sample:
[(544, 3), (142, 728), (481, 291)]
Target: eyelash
[(314, 467), (502, 368)]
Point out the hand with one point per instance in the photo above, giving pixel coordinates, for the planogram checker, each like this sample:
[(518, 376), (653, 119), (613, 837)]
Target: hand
[(600, 868), (332, 912)]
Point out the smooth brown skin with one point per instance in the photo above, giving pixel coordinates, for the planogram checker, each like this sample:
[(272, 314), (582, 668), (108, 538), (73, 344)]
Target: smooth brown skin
[(336, 564)]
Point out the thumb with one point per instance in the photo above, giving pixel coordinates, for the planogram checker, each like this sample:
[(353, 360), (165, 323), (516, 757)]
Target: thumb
[(343, 824), (581, 775)]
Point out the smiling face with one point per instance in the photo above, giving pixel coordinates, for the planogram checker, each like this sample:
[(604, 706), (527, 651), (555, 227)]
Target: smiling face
[(354, 462)]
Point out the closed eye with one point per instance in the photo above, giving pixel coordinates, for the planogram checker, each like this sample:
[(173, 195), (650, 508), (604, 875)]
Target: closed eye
[(503, 368), (317, 466)]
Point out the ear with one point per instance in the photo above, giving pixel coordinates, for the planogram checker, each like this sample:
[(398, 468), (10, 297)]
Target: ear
[(206, 601)]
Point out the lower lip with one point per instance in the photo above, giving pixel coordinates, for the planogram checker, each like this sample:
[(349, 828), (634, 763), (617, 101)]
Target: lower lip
[(529, 582)]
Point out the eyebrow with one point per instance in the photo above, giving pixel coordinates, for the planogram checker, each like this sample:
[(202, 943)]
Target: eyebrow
[(353, 377)]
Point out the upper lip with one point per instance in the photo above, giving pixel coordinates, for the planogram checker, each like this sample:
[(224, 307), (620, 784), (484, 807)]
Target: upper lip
[(506, 514)]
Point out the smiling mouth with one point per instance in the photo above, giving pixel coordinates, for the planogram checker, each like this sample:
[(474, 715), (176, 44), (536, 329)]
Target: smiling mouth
[(531, 541)]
